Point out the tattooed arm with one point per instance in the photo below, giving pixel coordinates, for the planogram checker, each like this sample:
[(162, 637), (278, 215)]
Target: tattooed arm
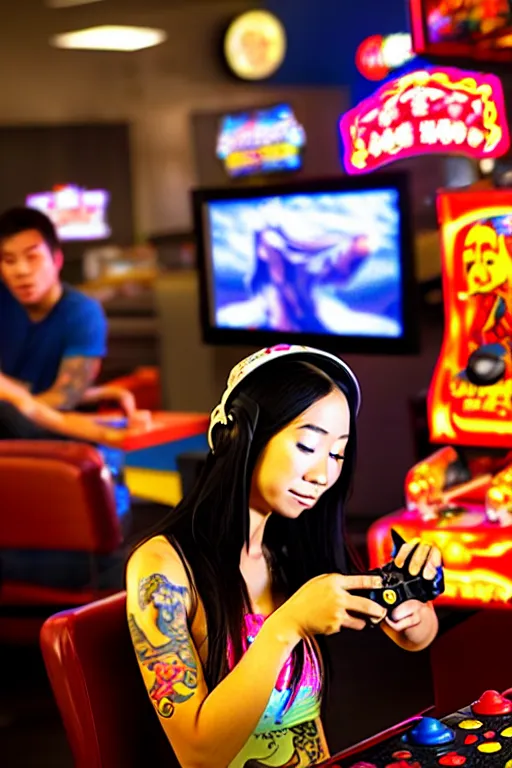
[(75, 375), (74, 425), (205, 728)]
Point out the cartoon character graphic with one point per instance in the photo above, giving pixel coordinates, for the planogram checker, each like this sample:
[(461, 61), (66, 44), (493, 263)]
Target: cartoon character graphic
[(470, 397), (488, 268)]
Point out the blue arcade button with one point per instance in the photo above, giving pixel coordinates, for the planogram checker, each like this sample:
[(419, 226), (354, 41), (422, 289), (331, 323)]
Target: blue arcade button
[(429, 732)]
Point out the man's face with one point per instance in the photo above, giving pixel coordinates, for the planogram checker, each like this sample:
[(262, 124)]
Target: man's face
[(28, 267)]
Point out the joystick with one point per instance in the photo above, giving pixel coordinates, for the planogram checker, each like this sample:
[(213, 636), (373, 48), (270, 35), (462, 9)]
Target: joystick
[(398, 585), (429, 732), (492, 703)]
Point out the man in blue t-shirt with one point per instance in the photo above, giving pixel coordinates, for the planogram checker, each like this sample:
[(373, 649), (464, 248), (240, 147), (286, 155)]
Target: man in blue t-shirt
[(52, 337)]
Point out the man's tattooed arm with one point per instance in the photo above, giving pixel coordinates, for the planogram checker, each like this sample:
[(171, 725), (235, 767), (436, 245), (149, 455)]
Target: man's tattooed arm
[(173, 663), (75, 375)]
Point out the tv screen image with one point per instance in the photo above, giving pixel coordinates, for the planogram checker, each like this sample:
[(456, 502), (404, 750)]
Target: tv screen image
[(261, 141), (77, 213), (317, 263)]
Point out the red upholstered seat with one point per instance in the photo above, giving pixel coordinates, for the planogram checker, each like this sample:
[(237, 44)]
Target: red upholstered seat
[(54, 496), (106, 711)]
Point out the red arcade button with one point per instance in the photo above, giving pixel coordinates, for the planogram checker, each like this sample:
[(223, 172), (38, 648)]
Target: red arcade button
[(492, 703), (452, 758)]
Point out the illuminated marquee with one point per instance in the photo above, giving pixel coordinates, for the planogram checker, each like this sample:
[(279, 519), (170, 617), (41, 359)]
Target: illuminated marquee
[(434, 110), (263, 141), (77, 213), (476, 234)]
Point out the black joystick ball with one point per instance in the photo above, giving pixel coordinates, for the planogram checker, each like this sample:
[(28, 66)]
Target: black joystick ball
[(485, 368)]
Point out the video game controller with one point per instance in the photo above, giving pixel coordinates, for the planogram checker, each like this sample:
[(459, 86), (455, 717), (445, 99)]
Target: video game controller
[(398, 585)]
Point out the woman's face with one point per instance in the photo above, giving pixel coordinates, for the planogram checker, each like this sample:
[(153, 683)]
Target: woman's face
[(303, 460)]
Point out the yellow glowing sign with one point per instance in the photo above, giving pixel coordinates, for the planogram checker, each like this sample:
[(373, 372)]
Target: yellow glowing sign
[(255, 45)]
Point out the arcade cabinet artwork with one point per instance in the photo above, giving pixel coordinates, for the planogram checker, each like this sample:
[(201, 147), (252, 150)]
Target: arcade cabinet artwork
[(460, 497)]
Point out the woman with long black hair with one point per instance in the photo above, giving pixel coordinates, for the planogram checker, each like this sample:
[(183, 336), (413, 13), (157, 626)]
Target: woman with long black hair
[(228, 605)]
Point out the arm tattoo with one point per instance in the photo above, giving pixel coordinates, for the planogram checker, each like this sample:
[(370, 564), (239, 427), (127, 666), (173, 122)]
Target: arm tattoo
[(74, 376), (173, 663)]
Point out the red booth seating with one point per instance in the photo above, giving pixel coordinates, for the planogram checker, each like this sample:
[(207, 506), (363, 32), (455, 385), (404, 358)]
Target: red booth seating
[(54, 496), (144, 384), (98, 687)]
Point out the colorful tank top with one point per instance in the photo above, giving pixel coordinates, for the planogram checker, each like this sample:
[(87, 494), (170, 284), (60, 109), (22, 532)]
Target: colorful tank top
[(285, 719)]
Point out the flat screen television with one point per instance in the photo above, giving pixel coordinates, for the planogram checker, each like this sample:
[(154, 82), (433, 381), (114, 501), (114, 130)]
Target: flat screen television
[(261, 141), (467, 30), (327, 263), (77, 213)]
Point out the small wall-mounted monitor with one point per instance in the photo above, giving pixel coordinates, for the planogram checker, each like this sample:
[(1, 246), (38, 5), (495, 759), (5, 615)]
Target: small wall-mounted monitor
[(77, 213), (327, 263), (261, 141)]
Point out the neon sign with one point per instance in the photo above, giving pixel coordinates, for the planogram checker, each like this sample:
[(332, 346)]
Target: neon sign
[(263, 141), (432, 110), (470, 404), (378, 55), (255, 45), (77, 213)]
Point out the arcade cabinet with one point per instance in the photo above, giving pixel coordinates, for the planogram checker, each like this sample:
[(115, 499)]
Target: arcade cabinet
[(460, 497)]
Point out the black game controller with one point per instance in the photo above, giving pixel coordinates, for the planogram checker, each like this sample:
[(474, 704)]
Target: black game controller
[(398, 585)]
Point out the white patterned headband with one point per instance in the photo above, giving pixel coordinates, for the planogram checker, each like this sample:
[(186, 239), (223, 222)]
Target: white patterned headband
[(327, 362)]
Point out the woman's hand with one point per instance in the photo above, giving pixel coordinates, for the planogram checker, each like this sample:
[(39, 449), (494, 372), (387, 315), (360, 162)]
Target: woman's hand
[(413, 624), (324, 605), (407, 615), (426, 559)]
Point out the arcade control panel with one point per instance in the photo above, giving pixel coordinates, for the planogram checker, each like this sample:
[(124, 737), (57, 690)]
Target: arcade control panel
[(479, 736)]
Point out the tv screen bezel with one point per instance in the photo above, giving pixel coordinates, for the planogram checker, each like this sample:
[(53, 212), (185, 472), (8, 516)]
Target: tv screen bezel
[(408, 343)]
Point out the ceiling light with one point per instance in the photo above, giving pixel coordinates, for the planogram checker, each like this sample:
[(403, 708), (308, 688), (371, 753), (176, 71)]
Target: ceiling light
[(67, 3), (110, 38)]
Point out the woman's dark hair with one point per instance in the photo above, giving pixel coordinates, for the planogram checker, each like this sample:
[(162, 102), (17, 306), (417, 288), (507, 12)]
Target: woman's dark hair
[(211, 524)]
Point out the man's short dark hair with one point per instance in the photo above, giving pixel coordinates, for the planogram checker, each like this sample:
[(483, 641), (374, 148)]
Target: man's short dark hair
[(21, 219)]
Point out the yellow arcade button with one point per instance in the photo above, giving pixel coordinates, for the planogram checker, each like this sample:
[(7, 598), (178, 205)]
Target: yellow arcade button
[(489, 746), (389, 596), (507, 733), (470, 725), (508, 764)]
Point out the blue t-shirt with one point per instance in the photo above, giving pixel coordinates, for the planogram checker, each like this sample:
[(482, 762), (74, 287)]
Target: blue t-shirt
[(32, 352)]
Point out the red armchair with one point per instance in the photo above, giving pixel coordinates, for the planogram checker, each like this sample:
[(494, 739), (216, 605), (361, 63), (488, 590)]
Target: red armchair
[(54, 496), (96, 682)]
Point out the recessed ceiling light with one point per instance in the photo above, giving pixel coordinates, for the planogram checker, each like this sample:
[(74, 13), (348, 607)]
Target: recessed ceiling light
[(110, 38), (68, 3)]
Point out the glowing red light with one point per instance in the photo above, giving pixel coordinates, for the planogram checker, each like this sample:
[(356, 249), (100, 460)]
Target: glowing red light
[(369, 58)]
